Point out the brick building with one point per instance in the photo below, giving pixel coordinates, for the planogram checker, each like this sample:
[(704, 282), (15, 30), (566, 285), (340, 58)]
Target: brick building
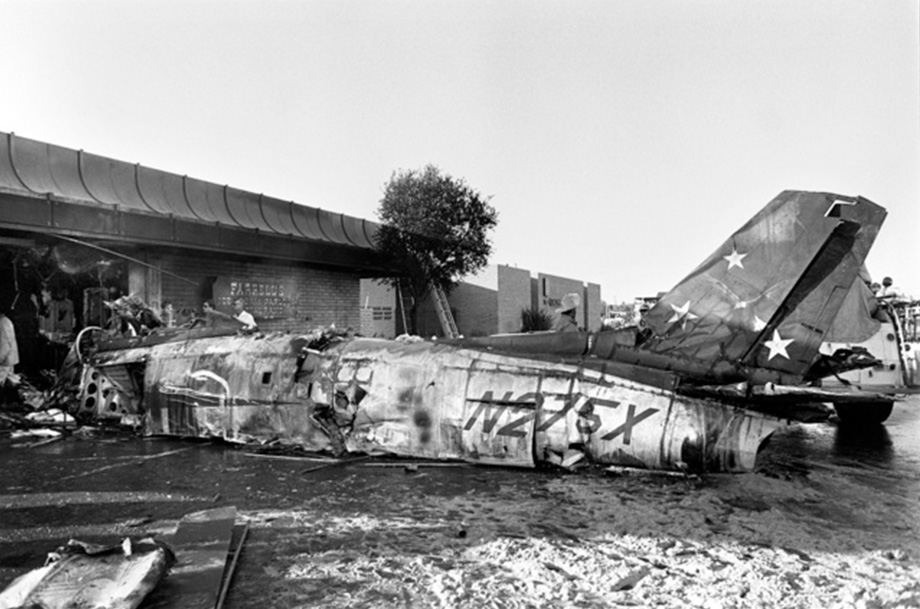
[(91, 228)]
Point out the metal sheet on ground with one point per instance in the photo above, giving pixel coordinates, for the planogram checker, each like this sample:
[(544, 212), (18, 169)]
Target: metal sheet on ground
[(201, 545)]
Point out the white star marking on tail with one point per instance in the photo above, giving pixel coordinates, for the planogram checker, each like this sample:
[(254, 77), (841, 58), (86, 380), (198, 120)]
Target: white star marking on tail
[(734, 259), (682, 314), (777, 345)]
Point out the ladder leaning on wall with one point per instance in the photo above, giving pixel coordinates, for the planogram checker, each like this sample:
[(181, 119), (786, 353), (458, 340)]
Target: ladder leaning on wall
[(402, 308), (448, 325)]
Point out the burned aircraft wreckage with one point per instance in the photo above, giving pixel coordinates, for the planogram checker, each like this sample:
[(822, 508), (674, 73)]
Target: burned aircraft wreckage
[(692, 390)]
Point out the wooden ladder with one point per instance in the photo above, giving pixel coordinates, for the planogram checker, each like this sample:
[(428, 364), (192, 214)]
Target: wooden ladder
[(448, 325)]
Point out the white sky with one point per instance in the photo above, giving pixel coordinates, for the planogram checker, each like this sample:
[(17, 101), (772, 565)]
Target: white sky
[(622, 141)]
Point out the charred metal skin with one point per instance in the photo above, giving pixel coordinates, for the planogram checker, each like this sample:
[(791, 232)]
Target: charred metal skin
[(441, 402), (430, 400), (238, 388)]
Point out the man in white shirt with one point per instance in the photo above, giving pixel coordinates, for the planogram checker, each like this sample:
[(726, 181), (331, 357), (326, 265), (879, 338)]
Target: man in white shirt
[(243, 316)]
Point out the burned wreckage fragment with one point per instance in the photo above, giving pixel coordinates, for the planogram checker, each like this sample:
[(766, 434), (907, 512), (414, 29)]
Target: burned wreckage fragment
[(80, 574), (723, 353)]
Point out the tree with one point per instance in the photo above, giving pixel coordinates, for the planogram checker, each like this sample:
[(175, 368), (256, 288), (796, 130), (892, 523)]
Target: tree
[(436, 228)]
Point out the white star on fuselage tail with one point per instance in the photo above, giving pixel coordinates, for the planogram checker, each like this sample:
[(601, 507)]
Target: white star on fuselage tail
[(682, 314), (756, 324), (777, 345), (734, 259)]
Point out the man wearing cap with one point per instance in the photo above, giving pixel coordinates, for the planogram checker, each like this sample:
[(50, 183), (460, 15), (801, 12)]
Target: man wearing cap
[(566, 320)]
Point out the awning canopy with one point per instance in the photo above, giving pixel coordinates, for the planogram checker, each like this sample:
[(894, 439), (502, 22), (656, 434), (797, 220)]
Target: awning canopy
[(52, 189)]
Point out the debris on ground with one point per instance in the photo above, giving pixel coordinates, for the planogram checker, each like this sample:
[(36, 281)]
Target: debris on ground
[(87, 575), (52, 416), (204, 542)]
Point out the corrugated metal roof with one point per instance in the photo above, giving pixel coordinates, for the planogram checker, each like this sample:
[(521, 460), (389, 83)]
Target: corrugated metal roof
[(307, 221), (207, 201), (277, 214), (33, 168), (111, 182)]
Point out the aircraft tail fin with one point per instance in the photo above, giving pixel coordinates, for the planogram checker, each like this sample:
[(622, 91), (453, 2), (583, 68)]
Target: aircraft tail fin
[(766, 297)]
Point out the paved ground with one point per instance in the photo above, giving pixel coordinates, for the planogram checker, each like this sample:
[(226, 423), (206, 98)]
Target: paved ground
[(830, 519)]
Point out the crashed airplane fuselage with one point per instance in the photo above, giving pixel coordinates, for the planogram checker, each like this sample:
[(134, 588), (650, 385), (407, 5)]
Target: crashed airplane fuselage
[(738, 335), (428, 400)]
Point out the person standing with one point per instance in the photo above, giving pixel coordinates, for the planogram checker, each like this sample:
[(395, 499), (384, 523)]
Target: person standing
[(210, 313), (566, 321), (243, 316), (9, 357)]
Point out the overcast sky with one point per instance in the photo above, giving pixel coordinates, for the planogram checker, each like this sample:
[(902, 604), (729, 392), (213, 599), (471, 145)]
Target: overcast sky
[(621, 141)]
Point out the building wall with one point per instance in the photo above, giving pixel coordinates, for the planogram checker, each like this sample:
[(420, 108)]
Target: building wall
[(485, 278), (281, 296), (475, 309), (514, 295), (481, 310), (378, 309), (427, 317), (594, 309)]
